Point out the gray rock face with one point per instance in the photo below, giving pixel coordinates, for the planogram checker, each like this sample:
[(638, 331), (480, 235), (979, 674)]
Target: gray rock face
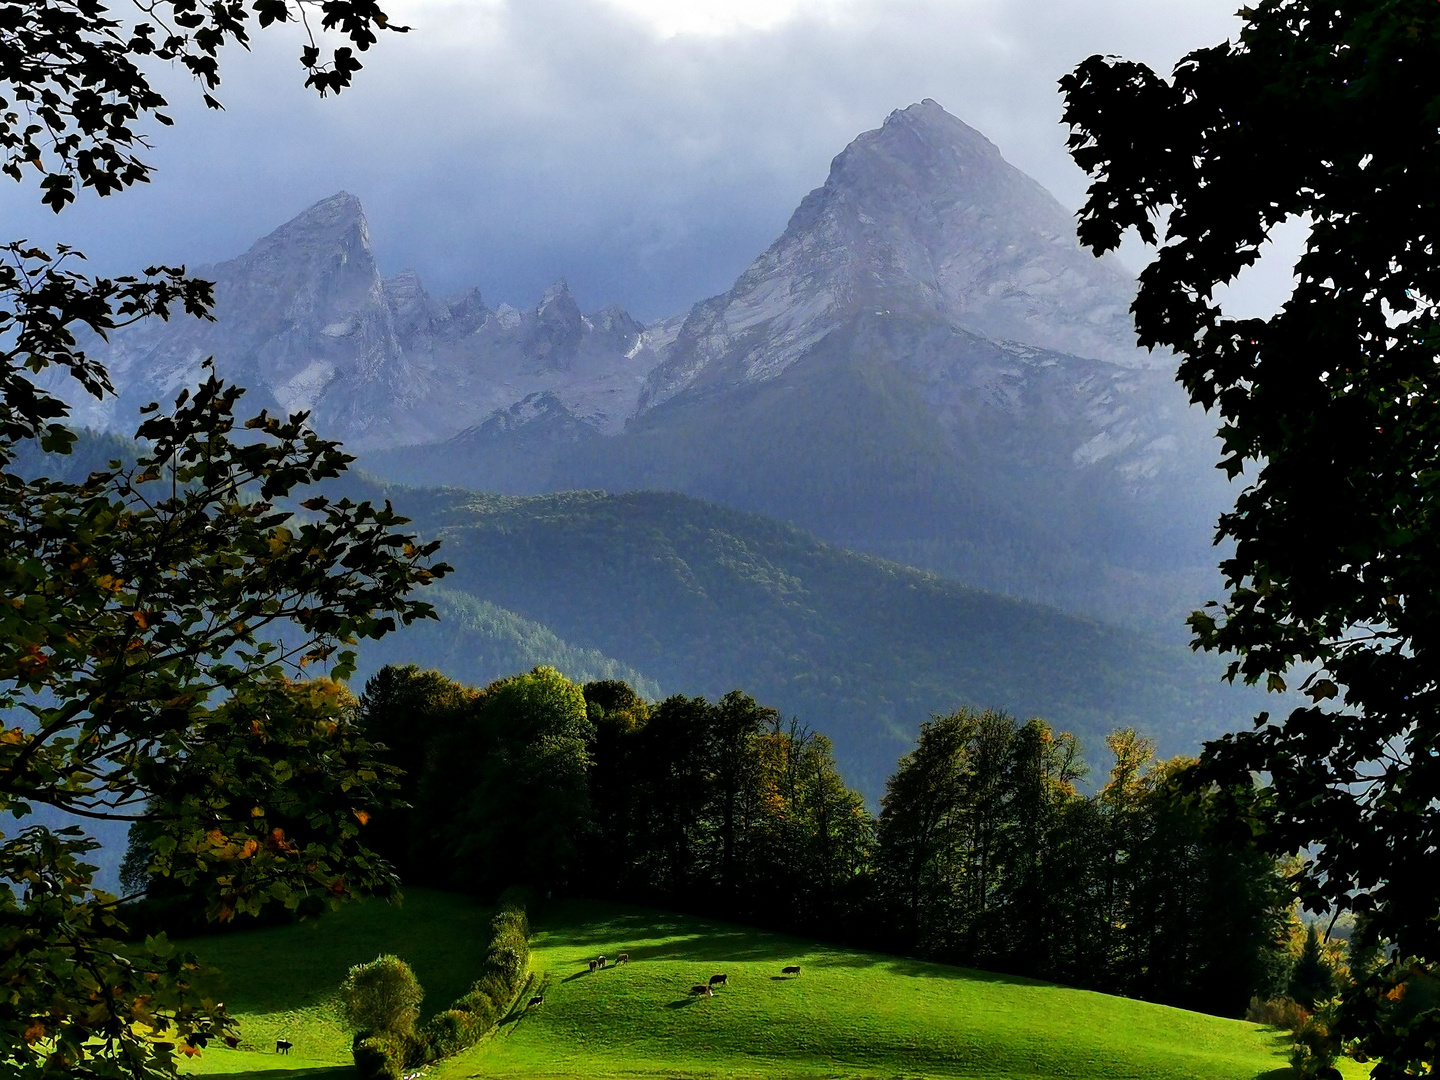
[(919, 217), (925, 365), (306, 323)]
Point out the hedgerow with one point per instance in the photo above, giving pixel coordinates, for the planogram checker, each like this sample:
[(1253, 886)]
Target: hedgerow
[(386, 1055)]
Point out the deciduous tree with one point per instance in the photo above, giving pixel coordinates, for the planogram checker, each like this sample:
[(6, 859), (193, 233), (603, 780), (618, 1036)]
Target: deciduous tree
[(1327, 114), (154, 618)]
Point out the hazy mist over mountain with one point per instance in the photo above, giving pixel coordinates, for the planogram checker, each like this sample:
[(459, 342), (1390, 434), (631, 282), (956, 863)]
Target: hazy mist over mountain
[(924, 365), (644, 150)]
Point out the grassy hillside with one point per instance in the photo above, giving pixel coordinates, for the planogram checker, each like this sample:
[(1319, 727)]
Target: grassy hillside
[(704, 599), (280, 981), (849, 1014)]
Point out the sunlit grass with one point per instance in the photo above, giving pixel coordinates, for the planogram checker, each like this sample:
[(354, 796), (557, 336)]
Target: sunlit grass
[(848, 1015), (280, 982)]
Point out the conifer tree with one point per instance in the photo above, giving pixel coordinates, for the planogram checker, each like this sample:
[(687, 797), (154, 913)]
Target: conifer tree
[(1311, 980)]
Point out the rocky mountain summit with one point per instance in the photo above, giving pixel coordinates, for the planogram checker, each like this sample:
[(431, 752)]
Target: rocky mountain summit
[(305, 321), (921, 217)]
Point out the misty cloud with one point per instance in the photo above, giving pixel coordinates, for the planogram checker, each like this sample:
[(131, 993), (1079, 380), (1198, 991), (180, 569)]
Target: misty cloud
[(509, 144)]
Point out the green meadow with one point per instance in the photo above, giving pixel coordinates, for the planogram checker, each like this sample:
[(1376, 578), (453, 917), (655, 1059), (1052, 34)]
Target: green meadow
[(848, 1014)]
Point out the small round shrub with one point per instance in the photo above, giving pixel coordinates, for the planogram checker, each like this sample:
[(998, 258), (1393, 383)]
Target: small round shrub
[(483, 1009), (510, 919), (509, 937), (1314, 1052), (379, 1057), (1278, 1012), (494, 984), (382, 997)]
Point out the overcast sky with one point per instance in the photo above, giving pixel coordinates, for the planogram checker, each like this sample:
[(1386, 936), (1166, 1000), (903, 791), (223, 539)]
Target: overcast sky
[(646, 150)]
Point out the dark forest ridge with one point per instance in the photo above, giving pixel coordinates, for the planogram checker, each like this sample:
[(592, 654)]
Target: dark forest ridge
[(703, 599)]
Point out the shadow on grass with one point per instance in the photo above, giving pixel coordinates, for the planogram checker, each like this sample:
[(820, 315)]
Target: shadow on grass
[(682, 1003), (321, 1072), (590, 928), (1276, 1074), (282, 968)]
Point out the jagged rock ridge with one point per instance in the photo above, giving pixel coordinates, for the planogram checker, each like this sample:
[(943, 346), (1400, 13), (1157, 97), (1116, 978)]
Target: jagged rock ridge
[(305, 321), (926, 365)]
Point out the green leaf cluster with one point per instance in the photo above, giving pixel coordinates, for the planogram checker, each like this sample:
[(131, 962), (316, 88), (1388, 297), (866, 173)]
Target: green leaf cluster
[(74, 86), (154, 620), (156, 615), (1330, 408)]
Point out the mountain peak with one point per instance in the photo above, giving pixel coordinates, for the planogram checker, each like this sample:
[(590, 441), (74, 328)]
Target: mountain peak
[(929, 120), (558, 328), (936, 159), (921, 217), (332, 233), (557, 298), (340, 205), (929, 112), (336, 216)]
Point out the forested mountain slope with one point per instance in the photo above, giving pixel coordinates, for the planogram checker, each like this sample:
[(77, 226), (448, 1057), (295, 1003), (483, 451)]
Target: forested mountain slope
[(920, 442), (476, 642), (705, 599), (676, 595)]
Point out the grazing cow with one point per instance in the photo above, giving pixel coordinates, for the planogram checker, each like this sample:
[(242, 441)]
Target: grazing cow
[(594, 964), (601, 959), (702, 990), (623, 958), (719, 980), (538, 999), (282, 1046), (793, 969)]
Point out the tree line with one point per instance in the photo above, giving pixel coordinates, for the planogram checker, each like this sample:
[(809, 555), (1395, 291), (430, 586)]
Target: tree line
[(986, 850)]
